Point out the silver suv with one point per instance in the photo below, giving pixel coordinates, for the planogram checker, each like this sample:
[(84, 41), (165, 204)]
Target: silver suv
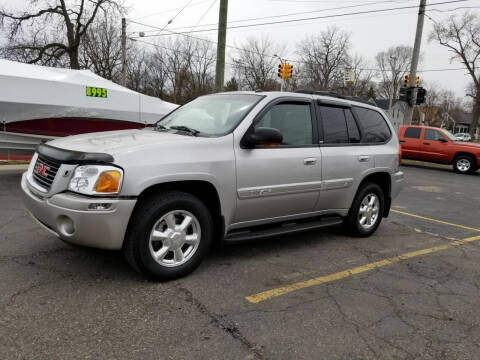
[(224, 167)]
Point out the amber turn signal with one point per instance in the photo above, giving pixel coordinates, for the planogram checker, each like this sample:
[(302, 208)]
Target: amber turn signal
[(108, 182)]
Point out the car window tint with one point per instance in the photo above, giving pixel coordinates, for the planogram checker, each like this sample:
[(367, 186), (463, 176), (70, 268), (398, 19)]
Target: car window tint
[(294, 121), (374, 126), (432, 135), (334, 125), (353, 133), (412, 133)]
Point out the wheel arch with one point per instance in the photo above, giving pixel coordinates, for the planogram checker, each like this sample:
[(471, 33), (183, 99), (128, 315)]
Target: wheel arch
[(202, 189), (463, 153), (384, 180)]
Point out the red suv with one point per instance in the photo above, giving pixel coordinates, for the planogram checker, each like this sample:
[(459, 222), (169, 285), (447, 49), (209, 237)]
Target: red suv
[(439, 146)]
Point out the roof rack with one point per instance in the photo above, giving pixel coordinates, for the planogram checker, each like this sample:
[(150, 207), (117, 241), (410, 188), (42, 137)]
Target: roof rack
[(333, 94)]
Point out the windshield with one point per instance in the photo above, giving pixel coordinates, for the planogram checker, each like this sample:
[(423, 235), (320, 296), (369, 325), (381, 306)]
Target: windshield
[(449, 135), (212, 115)]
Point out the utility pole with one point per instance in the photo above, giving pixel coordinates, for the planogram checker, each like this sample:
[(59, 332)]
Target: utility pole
[(407, 119), (124, 52), (222, 38)]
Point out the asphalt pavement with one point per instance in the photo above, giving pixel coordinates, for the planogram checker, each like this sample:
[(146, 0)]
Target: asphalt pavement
[(411, 291)]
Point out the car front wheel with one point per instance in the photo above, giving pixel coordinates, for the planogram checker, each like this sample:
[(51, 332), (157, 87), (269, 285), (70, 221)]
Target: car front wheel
[(169, 235), (464, 164)]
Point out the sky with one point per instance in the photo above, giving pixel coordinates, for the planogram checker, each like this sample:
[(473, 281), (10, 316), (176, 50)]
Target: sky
[(369, 33)]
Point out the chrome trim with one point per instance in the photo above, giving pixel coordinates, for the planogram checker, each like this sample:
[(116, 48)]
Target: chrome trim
[(282, 189), (337, 184)]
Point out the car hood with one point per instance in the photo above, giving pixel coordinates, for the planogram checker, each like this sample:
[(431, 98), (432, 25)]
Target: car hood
[(469, 145), (122, 141)]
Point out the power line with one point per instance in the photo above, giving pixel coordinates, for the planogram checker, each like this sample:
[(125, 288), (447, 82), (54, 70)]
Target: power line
[(311, 18), (171, 10), (178, 13), (293, 14), (237, 63)]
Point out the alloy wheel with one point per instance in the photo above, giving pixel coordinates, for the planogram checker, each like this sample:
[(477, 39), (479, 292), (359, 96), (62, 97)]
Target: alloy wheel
[(175, 238)]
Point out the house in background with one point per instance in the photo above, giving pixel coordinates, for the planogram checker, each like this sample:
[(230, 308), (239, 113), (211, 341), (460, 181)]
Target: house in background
[(461, 122), (395, 113)]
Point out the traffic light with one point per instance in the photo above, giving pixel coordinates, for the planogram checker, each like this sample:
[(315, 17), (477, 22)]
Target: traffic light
[(417, 78), (406, 82), (421, 93), (288, 71), (285, 71)]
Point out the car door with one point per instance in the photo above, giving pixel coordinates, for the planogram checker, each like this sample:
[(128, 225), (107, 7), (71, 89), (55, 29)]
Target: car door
[(435, 146), (282, 180), (411, 143), (344, 158)]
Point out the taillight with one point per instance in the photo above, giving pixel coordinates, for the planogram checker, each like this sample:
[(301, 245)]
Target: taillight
[(399, 156)]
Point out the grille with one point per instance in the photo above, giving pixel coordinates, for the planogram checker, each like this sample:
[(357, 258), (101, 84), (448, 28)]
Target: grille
[(47, 166)]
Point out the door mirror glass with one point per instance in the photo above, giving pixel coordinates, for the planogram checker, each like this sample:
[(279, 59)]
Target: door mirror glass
[(263, 136)]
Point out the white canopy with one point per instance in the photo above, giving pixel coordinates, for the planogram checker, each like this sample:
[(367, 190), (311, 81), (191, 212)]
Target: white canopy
[(33, 92)]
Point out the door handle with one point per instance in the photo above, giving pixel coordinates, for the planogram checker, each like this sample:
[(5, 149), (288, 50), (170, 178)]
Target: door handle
[(309, 161), (364, 158), (425, 143), (402, 140)]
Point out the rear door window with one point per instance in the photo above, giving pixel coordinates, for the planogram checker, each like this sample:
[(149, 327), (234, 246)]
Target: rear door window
[(412, 133), (353, 132), (334, 125), (374, 126)]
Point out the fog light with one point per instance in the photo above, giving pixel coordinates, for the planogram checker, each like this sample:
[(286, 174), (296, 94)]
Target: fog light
[(65, 225), (99, 206)]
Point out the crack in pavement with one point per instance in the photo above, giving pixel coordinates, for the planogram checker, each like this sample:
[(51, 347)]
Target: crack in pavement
[(222, 323)]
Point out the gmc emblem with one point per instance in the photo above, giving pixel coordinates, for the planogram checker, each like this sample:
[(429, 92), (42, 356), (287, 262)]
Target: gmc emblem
[(41, 169)]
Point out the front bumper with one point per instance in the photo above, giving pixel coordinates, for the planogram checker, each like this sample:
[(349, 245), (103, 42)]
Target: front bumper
[(398, 180), (67, 216)]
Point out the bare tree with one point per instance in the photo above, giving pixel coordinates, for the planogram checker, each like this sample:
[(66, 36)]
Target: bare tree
[(361, 78), (394, 64), (255, 67), (53, 30), (101, 49), (461, 36), (325, 58)]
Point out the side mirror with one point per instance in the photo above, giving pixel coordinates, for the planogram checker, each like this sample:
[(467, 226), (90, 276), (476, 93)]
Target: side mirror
[(442, 140), (263, 136)]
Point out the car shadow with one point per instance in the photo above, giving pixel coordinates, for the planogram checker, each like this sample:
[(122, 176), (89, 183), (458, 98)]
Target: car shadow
[(436, 168)]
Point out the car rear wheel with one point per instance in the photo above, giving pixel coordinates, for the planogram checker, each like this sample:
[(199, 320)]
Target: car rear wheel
[(169, 235), (464, 164), (366, 212)]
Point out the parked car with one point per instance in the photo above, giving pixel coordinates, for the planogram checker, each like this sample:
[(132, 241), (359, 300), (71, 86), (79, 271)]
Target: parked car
[(224, 167), (439, 146), (463, 137)]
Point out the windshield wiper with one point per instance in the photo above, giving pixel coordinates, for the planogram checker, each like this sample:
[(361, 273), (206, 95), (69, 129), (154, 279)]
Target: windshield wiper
[(160, 127), (186, 129)]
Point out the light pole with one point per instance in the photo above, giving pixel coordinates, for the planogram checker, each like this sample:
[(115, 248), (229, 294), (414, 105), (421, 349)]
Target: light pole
[(392, 90)]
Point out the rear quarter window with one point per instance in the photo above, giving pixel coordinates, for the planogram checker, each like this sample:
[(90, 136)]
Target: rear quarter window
[(374, 126)]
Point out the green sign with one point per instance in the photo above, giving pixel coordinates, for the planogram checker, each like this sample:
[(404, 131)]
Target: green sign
[(96, 91)]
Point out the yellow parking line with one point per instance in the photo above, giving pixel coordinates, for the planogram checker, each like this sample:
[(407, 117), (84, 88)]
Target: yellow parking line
[(265, 295), (434, 220)]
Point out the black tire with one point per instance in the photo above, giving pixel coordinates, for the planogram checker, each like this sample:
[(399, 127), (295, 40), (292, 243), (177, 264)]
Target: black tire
[(462, 159), (352, 222), (137, 241)]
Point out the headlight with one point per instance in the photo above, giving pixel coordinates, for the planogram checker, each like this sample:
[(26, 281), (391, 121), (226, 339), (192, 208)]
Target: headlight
[(96, 179)]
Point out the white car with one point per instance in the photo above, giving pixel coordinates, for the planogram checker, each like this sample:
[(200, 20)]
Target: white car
[(463, 137)]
